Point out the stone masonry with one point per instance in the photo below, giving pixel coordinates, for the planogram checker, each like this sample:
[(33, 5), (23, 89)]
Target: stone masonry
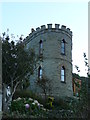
[(52, 60)]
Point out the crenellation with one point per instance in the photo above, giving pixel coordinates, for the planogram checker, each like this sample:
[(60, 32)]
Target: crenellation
[(32, 30), (71, 32), (43, 27), (49, 26), (38, 29), (63, 27), (33, 33), (57, 26), (30, 35), (41, 30), (26, 37), (68, 30)]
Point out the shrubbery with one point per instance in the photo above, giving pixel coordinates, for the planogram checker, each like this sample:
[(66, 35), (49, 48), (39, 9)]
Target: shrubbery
[(29, 94), (26, 106)]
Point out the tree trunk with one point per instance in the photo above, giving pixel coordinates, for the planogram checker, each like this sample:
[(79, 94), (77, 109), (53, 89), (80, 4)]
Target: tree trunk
[(7, 102), (4, 98)]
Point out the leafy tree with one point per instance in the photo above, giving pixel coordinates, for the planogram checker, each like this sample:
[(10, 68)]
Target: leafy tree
[(83, 98), (18, 64), (45, 85)]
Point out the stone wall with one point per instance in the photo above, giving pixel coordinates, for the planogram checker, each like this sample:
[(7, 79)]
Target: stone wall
[(52, 57)]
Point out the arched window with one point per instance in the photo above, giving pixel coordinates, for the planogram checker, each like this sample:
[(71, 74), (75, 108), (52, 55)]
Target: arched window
[(40, 72), (63, 47), (62, 74), (40, 47)]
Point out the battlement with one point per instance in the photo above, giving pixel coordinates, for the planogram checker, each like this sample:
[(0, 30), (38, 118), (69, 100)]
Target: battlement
[(49, 27)]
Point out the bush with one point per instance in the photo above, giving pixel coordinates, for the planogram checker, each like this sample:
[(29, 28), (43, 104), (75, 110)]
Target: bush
[(26, 106), (28, 94), (61, 104), (24, 94), (18, 106)]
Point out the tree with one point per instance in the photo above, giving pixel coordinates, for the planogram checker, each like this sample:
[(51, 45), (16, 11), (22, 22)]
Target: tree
[(45, 85), (83, 98), (18, 64)]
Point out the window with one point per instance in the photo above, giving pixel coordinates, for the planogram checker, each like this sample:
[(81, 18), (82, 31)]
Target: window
[(40, 72), (63, 47), (62, 74), (40, 47)]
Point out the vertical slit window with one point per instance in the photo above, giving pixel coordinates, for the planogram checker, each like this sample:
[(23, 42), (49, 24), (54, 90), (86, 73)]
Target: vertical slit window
[(62, 74), (40, 73), (40, 47), (63, 47)]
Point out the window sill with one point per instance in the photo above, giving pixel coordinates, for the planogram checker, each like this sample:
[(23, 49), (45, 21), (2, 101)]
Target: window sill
[(63, 54), (40, 55), (39, 80), (63, 82)]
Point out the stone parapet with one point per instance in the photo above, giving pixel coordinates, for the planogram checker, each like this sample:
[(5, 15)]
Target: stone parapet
[(43, 29)]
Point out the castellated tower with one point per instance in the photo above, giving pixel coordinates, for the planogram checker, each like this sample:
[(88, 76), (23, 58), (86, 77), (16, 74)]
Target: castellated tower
[(54, 48)]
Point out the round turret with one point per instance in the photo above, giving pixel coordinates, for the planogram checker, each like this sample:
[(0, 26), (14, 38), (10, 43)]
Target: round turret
[(54, 48)]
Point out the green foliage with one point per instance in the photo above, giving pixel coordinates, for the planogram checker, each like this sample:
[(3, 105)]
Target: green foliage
[(81, 105), (26, 83), (28, 94), (7, 61), (18, 64), (25, 94), (19, 106), (75, 75), (84, 94), (61, 104)]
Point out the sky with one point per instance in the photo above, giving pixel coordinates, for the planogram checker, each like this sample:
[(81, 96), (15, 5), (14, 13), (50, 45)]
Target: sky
[(20, 17)]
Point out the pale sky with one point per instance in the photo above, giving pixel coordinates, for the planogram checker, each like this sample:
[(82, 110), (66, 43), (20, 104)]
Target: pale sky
[(20, 17)]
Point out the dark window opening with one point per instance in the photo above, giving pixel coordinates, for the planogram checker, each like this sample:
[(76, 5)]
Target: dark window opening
[(40, 47)]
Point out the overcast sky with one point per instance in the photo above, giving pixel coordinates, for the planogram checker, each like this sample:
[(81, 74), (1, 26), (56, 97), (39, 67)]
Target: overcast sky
[(20, 17)]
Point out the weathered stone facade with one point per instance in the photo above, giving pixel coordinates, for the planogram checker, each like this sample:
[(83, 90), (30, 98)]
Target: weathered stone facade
[(51, 59)]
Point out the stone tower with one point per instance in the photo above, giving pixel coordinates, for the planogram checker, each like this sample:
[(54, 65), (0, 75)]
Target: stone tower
[(54, 48)]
